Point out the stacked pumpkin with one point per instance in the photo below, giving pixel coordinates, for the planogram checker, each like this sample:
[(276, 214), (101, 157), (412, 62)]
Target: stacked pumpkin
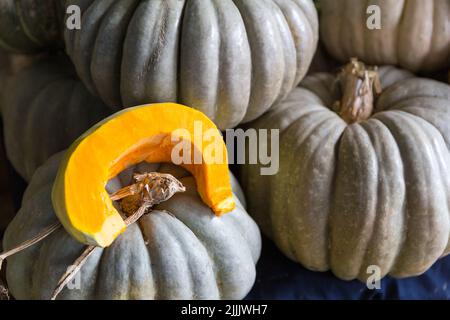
[(364, 154)]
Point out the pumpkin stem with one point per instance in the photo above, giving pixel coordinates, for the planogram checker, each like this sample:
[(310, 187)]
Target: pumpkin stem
[(149, 190), (358, 85), (28, 243)]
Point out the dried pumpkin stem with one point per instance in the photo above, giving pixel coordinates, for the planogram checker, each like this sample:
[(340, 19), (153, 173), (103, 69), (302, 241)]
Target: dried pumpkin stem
[(359, 85), (150, 189), (28, 243)]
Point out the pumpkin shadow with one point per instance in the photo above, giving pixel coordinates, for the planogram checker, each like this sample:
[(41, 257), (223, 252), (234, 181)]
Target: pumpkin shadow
[(279, 278)]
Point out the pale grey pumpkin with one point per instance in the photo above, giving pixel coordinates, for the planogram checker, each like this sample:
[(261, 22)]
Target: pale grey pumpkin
[(414, 34), (30, 25), (347, 196), (45, 108), (181, 250), (231, 59)]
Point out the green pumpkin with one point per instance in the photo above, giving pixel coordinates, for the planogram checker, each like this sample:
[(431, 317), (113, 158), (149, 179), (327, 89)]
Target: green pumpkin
[(230, 59), (414, 34), (180, 250), (29, 26), (44, 110), (348, 196)]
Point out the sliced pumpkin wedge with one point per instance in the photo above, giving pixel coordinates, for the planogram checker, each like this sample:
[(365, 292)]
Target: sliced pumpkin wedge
[(144, 133)]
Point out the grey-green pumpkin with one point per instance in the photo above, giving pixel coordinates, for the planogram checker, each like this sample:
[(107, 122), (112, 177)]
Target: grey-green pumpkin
[(180, 250), (348, 196), (413, 34), (231, 59), (29, 26), (45, 108)]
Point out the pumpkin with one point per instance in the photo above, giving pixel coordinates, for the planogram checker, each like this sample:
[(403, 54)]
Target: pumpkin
[(146, 134), (230, 59), (363, 179), (414, 35), (44, 110), (29, 26), (180, 249)]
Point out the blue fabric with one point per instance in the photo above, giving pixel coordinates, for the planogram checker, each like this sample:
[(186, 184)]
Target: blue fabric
[(280, 278)]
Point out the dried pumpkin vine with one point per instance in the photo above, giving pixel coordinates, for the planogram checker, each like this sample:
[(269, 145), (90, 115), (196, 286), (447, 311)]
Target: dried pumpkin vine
[(135, 200)]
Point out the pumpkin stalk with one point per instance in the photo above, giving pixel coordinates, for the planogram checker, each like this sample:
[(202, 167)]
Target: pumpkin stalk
[(149, 190), (358, 85)]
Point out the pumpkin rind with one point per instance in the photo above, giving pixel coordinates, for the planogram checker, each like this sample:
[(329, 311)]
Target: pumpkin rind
[(191, 254), (370, 193), (414, 34), (45, 109), (29, 26), (231, 59)]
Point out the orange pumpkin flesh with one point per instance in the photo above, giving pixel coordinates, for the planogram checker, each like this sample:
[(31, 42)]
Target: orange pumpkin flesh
[(129, 137)]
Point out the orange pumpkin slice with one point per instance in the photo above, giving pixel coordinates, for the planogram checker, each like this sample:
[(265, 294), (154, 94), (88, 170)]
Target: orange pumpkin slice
[(145, 133)]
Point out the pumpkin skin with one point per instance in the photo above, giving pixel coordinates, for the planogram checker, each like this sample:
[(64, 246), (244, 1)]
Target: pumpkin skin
[(29, 26), (370, 193), (230, 59), (191, 254), (414, 34), (45, 109)]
